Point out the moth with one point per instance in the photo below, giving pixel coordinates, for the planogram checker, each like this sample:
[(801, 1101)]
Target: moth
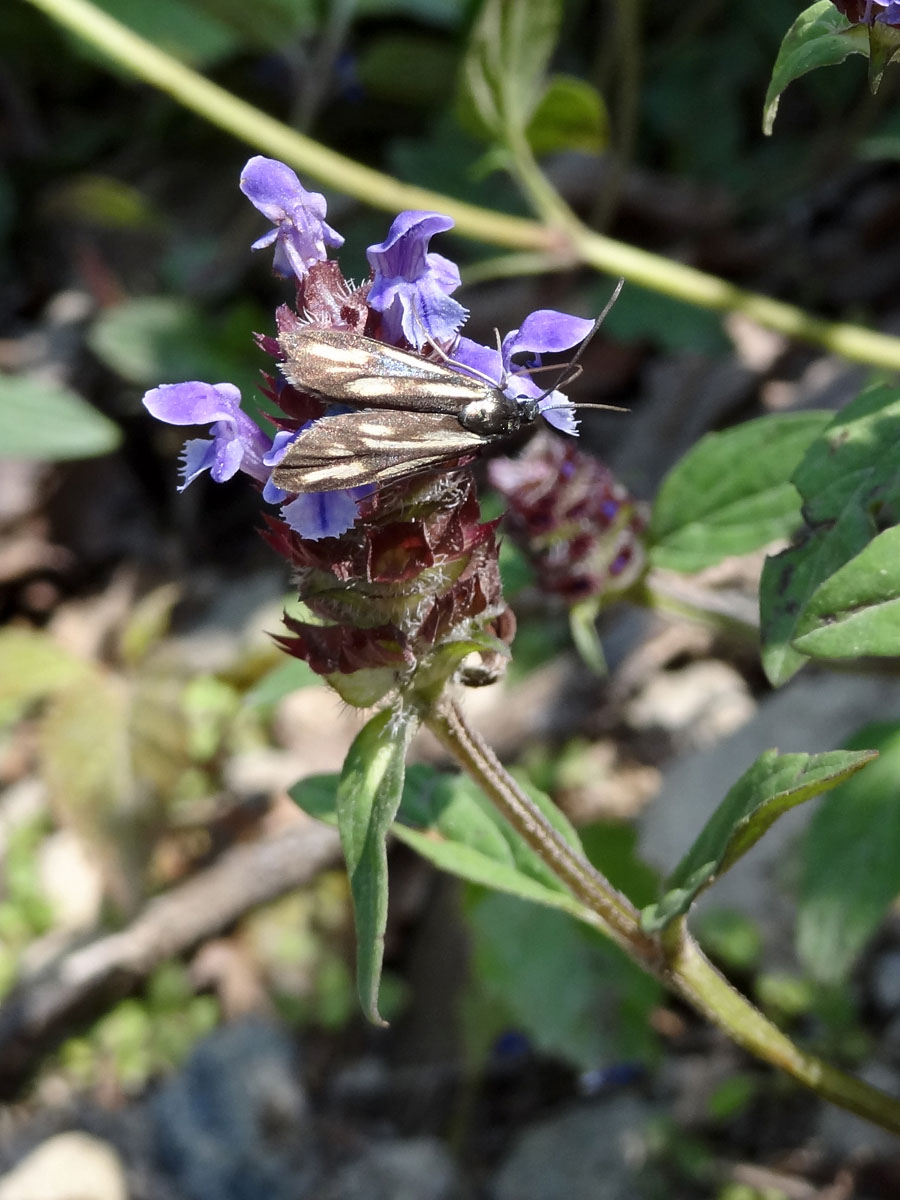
[(411, 414)]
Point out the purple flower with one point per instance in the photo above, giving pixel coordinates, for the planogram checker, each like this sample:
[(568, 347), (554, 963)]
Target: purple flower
[(313, 515), (237, 444), (301, 233), (543, 332), (412, 287)]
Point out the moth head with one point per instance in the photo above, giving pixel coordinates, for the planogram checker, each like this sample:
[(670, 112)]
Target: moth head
[(493, 415)]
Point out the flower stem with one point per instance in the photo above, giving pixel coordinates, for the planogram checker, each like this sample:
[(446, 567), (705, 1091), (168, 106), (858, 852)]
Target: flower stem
[(618, 915), (674, 957), (570, 241)]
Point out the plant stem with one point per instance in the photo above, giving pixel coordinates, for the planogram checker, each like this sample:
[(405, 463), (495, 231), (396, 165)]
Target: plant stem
[(617, 913), (676, 595), (573, 240), (674, 958)]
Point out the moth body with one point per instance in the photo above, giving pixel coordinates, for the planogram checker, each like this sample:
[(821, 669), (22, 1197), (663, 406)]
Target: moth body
[(428, 414)]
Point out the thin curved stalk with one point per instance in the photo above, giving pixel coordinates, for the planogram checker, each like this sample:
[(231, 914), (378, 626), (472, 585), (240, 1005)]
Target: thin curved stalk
[(674, 958), (146, 61)]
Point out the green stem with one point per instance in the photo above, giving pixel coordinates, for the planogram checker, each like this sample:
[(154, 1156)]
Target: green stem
[(698, 982), (618, 916), (264, 133), (674, 958), (678, 596)]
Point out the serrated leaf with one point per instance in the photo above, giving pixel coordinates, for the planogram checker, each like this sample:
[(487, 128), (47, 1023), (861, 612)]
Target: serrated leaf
[(732, 493), (856, 610), (50, 423), (849, 481), (820, 37), (506, 61), (851, 862), (368, 797), (33, 667), (775, 783), (571, 115)]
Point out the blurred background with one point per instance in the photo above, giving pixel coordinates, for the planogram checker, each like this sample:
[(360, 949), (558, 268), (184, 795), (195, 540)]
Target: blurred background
[(179, 1018)]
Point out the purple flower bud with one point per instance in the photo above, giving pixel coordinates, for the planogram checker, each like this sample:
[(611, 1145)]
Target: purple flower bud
[(301, 233), (412, 287), (237, 444)]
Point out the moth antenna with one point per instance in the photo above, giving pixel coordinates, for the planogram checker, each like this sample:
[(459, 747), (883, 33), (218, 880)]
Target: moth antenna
[(586, 342), (445, 357), (607, 407)]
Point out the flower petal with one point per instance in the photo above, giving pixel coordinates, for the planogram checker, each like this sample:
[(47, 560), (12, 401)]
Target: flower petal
[(546, 332), (301, 232), (316, 515), (412, 287)]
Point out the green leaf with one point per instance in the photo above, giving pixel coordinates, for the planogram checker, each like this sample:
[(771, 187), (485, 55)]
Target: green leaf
[(851, 862), (732, 492), (775, 783), (287, 677), (407, 68), (884, 48), (32, 667), (641, 314), (50, 423), (849, 481), (820, 37), (159, 339), (788, 581), (185, 30), (571, 992), (368, 797), (506, 61), (448, 821), (857, 609), (570, 115), (583, 628), (88, 767)]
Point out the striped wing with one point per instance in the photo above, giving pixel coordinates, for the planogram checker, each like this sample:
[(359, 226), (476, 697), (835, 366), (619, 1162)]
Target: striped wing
[(364, 447), (353, 369)]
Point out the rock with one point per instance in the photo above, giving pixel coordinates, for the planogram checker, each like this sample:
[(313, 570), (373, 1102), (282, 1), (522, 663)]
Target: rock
[(701, 703), (234, 1123), (71, 880), (416, 1169), (591, 1152), (70, 1166)]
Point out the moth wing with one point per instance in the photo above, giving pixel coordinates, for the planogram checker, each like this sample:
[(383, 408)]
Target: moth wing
[(355, 448), (353, 369)]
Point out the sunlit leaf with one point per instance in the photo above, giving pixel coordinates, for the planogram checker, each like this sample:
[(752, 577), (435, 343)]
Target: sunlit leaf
[(820, 37), (48, 422), (775, 783), (368, 797), (731, 493)]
